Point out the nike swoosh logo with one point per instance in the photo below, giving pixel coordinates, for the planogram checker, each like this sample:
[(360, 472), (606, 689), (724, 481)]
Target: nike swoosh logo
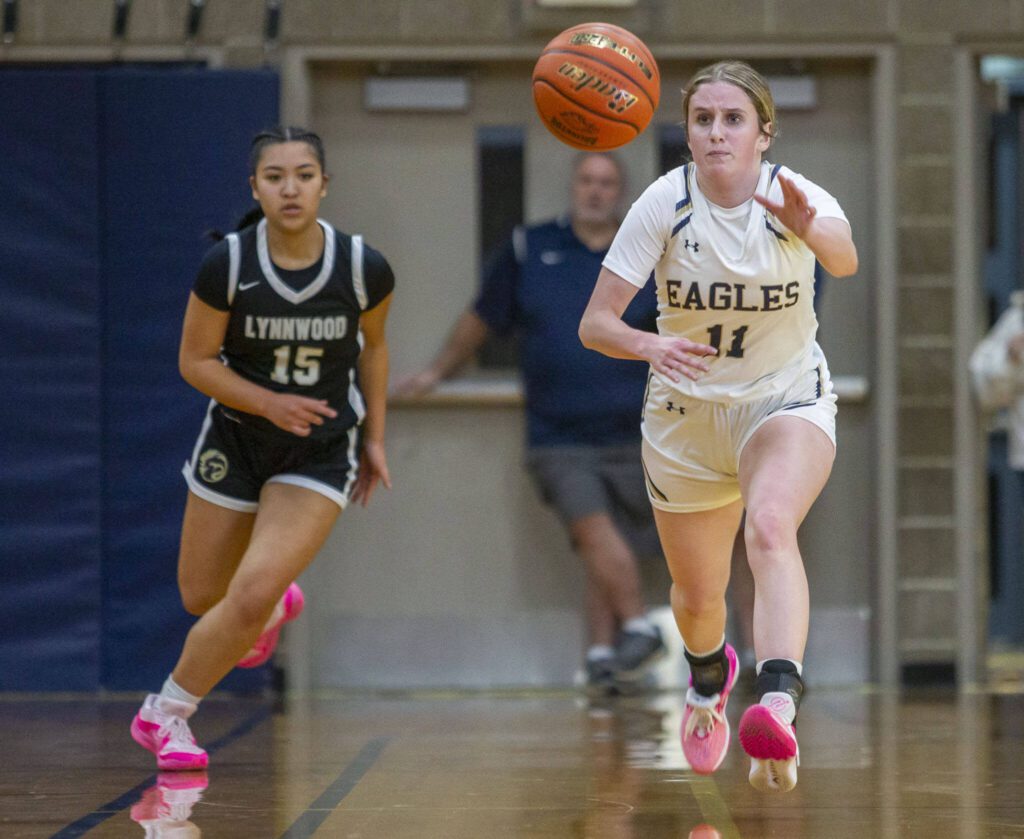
[(247, 286)]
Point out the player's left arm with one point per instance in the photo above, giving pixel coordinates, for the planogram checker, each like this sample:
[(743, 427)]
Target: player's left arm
[(373, 381), (830, 239)]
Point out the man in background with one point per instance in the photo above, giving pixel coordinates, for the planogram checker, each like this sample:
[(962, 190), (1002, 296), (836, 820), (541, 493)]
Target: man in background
[(582, 408)]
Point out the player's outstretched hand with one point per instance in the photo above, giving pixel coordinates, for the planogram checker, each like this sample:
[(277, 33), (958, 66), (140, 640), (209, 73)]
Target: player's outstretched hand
[(794, 211), (373, 469), (673, 357), (297, 414)]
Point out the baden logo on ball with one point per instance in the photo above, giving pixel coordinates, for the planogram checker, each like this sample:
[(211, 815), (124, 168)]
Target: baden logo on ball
[(596, 86)]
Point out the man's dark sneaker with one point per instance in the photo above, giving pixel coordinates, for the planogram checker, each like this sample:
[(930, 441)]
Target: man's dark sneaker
[(635, 652), (601, 676)]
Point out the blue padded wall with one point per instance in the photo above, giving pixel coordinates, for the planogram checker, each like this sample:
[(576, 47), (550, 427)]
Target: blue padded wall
[(50, 415), (113, 175), (174, 162)]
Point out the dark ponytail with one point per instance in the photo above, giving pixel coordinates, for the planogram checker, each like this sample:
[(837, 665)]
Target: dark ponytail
[(249, 219)]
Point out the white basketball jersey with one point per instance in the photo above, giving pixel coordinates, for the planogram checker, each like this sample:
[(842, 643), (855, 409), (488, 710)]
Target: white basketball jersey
[(744, 285)]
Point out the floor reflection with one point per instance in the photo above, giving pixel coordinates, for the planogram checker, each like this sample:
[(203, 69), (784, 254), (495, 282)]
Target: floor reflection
[(705, 831), (165, 809), (530, 765)]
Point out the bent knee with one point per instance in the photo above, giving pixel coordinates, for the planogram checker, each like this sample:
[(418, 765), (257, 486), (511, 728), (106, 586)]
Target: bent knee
[(699, 600), (198, 600), (252, 601)]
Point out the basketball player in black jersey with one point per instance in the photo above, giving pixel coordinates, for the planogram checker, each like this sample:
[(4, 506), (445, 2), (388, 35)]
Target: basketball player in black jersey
[(284, 331)]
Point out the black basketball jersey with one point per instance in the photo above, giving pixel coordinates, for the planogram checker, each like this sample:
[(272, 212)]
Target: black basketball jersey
[(296, 331)]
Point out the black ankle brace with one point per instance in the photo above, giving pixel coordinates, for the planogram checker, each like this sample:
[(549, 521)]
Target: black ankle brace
[(779, 676), (709, 672)]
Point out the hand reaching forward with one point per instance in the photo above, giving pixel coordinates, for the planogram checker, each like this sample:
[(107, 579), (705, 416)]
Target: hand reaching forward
[(794, 211)]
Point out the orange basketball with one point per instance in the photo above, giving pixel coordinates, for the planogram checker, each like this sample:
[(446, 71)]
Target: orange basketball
[(596, 86)]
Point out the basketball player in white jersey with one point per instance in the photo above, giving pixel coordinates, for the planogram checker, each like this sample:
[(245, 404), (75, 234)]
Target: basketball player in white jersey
[(281, 317), (739, 407)]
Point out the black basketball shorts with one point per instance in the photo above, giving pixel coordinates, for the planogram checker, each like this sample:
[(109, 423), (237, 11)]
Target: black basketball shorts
[(231, 462)]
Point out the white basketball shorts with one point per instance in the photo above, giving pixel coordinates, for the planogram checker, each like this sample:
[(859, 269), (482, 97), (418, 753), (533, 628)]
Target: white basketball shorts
[(692, 447)]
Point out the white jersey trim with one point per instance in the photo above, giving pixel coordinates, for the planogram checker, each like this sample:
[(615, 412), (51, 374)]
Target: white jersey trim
[(234, 264), (358, 282), (341, 498), (276, 283), (355, 398), (217, 498), (306, 482)]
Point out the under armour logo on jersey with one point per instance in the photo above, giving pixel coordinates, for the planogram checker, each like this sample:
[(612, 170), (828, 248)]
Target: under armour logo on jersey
[(551, 257), (677, 408), (693, 246)]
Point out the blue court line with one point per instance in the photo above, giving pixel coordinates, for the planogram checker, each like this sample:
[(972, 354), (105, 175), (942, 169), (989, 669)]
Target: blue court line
[(317, 812), (122, 802)]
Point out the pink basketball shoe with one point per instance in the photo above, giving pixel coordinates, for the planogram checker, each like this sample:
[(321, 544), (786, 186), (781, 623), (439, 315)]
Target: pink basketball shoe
[(292, 602), (705, 727), (160, 726), (771, 743)]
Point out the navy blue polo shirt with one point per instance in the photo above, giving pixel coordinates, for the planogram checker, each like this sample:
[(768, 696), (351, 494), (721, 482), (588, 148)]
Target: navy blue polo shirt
[(538, 285)]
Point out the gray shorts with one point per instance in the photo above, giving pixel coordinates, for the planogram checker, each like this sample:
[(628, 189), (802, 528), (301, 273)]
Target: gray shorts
[(580, 481)]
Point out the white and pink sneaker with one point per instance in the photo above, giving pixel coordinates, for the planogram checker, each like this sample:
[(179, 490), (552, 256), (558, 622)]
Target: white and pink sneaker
[(161, 726), (289, 608), (705, 728), (771, 743)]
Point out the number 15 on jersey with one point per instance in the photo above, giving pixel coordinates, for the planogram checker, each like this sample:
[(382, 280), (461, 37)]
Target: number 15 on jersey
[(305, 370)]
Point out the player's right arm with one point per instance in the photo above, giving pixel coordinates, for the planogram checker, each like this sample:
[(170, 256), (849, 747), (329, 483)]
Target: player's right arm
[(636, 249), (199, 361), (603, 329)]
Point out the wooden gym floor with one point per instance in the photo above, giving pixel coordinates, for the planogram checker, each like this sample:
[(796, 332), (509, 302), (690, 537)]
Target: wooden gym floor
[(514, 764)]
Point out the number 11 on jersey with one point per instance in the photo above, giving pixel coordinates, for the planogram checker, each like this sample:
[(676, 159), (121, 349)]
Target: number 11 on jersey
[(735, 348)]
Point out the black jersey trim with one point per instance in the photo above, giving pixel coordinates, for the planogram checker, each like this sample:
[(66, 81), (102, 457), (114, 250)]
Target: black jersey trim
[(653, 487)]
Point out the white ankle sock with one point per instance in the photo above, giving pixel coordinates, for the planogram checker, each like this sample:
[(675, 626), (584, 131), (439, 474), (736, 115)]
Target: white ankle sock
[(640, 625), (172, 690), (598, 652)]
